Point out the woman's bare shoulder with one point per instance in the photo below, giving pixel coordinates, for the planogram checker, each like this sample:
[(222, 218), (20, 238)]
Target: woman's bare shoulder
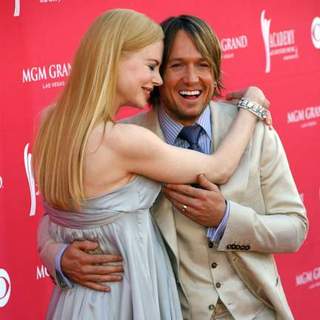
[(127, 131), (129, 138)]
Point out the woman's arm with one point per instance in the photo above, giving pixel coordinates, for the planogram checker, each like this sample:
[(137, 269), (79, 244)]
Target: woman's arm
[(130, 149), (141, 152)]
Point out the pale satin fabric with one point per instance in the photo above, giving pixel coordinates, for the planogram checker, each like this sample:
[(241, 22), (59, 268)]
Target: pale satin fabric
[(121, 222)]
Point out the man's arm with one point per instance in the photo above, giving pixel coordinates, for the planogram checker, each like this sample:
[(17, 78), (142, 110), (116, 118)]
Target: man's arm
[(48, 249), (283, 226), (79, 266)]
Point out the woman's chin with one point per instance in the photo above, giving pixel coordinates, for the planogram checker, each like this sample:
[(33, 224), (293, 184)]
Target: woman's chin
[(140, 105)]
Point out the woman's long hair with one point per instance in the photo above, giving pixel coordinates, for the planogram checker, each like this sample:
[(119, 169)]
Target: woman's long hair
[(87, 99)]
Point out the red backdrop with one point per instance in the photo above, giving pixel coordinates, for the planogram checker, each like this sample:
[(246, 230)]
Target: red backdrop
[(272, 44)]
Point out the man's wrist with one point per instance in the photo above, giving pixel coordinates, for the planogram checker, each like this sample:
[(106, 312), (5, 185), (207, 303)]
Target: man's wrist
[(215, 234), (62, 280)]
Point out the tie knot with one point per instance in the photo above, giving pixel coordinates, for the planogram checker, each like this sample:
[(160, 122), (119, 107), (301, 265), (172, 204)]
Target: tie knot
[(191, 134)]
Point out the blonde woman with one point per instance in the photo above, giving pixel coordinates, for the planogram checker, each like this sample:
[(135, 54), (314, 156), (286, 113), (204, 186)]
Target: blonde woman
[(99, 178)]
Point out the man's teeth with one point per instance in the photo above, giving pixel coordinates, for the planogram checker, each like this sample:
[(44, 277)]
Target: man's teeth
[(190, 93)]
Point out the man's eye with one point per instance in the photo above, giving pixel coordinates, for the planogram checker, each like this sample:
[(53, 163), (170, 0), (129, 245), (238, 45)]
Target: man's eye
[(175, 65), (204, 65)]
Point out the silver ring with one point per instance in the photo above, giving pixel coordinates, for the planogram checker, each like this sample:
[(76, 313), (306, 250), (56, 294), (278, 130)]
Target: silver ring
[(184, 208)]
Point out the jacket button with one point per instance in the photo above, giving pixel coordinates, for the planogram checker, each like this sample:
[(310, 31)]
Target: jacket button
[(218, 285), (213, 265), (210, 244), (211, 307)]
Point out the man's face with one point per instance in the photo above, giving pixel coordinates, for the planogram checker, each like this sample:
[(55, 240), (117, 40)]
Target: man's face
[(188, 82)]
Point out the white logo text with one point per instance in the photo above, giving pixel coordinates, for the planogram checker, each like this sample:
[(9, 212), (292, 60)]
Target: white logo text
[(308, 115), (42, 272), (277, 43), (16, 8), (232, 44), (307, 277), (52, 71)]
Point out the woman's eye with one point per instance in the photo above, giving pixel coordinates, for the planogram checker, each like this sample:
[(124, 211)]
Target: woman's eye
[(152, 67)]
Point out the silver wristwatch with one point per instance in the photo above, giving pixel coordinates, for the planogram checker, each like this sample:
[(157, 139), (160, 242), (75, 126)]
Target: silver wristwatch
[(257, 109)]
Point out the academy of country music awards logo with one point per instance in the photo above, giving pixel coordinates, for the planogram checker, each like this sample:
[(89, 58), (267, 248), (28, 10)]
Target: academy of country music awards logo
[(315, 32), (16, 12), (50, 76), (306, 117), (5, 287), (230, 45), (31, 182), (17, 5), (281, 43)]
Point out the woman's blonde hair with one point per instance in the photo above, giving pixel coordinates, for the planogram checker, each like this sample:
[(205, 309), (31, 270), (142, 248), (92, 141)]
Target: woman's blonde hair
[(87, 99)]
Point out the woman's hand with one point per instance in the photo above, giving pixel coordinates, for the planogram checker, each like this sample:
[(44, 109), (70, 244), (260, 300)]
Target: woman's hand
[(252, 93)]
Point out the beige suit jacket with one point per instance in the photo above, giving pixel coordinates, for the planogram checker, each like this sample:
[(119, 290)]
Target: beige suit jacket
[(266, 212)]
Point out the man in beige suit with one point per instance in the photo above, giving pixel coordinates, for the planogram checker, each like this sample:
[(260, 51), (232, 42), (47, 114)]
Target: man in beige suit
[(220, 241)]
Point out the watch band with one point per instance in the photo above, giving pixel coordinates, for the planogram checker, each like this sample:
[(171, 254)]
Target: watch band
[(255, 108)]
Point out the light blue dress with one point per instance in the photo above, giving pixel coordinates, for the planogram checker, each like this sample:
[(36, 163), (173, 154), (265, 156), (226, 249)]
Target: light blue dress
[(122, 224)]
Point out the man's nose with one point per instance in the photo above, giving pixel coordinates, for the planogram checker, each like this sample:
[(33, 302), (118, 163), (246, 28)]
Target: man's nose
[(191, 76)]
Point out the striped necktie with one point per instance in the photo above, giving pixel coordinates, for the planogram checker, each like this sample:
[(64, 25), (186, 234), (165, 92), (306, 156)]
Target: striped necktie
[(191, 134)]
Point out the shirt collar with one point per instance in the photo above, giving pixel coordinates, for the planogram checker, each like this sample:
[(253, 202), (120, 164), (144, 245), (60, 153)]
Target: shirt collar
[(171, 128)]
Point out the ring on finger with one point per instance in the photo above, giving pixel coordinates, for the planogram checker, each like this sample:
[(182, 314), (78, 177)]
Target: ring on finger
[(184, 208)]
